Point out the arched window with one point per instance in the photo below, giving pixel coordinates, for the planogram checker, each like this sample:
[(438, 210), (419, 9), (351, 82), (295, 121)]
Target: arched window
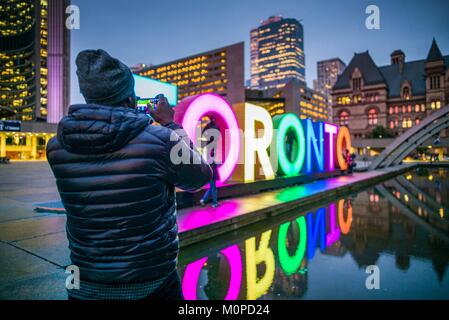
[(406, 93), (343, 118), (372, 116)]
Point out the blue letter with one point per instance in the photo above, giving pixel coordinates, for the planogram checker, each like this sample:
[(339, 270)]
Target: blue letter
[(314, 230), (314, 145)]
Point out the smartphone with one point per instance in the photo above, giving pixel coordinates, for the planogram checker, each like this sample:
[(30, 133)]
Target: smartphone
[(144, 105)]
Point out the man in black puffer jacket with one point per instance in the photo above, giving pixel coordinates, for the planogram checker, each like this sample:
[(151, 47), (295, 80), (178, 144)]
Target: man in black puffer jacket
[(116, 180)]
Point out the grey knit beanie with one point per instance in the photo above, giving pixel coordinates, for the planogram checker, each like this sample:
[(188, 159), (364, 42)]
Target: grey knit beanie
[(102, 78)]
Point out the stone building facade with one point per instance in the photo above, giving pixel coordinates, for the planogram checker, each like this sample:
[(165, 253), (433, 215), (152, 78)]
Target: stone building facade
[(395, 96)]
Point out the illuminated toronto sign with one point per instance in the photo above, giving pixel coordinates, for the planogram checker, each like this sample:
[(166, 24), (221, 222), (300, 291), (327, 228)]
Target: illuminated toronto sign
[(252, 140), (290, 247)]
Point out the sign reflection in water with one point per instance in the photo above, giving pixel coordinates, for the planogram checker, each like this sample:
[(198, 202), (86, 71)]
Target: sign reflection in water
[(292, 244)]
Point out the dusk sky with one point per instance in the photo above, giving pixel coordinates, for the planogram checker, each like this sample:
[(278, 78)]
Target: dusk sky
[(154, 32)]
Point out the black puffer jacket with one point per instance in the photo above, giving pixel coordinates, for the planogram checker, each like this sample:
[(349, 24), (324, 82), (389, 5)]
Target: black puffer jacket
[(116, 181)]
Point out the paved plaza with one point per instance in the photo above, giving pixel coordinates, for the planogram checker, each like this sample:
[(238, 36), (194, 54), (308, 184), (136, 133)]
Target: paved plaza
[(33, 245)]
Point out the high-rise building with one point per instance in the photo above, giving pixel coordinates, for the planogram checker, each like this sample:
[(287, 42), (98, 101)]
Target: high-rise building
[(34, 74), (277, 53), (219, 71), (327, 74)]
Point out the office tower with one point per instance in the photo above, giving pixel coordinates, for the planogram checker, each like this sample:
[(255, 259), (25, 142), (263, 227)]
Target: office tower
[(219, 71), (327, 74), (277, 53), (34, 73)]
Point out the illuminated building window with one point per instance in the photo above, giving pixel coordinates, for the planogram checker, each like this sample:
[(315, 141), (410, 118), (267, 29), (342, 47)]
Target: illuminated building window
[(435, 104), (393, 123), (406, 123), (406, 93), (343, 100), (372, 116), (344, 118)]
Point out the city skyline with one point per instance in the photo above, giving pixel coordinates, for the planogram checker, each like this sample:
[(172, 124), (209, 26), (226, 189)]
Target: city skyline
[(337, 31)]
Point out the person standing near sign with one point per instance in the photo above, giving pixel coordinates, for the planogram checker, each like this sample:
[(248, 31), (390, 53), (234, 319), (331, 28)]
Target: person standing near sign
[(209, 131), (117, 183)]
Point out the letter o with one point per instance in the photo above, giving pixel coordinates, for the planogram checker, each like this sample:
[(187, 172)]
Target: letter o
[(212, 103), (345, 224), (193, 270), (283, 123), (343, 137)]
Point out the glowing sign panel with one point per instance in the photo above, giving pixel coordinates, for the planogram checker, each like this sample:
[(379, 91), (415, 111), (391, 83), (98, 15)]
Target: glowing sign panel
[(319, 146), (214, 104)]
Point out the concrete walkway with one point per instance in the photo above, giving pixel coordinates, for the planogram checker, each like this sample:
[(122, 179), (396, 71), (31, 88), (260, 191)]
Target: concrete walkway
[(34, 249)]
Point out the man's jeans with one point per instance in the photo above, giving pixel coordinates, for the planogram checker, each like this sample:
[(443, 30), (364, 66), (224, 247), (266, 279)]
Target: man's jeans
[(211, 191)]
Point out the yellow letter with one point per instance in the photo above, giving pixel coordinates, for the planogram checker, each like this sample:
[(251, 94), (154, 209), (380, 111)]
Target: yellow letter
[(264, 254), (255, 144)]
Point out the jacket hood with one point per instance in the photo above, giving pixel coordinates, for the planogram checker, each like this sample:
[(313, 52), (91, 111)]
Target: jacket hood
[(92, 129)]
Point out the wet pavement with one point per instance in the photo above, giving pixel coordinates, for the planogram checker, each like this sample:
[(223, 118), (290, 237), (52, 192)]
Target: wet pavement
[(399, 225)]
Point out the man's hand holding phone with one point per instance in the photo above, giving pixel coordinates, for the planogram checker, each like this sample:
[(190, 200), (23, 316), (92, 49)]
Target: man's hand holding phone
[(162, 112)]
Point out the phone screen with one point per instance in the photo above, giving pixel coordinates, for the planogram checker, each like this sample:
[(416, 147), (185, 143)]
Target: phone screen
[(144, 105)]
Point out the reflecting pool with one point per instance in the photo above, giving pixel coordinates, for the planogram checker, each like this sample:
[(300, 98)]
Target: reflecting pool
[(390, 241)]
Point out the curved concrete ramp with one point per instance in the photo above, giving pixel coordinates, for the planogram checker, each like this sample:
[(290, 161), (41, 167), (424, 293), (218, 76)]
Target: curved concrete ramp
[(411, 139)]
